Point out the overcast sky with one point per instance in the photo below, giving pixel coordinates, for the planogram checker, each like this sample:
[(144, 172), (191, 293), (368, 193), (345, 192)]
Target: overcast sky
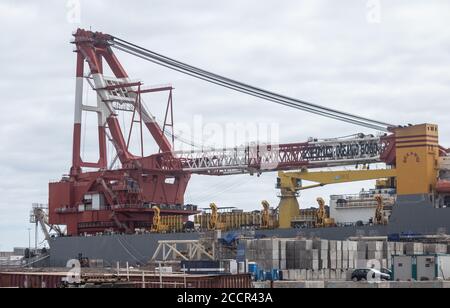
[(388, 63)]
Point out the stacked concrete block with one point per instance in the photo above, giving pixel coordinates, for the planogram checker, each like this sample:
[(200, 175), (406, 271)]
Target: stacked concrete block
[(352, 254), (435, 248), (283, 255), (333, 255), (315, 255), (345, 259), (267, 254), (250, 249), (390, 249), (338, 254), (375, 250), (322, 247), (399, 248), (414, 248), (304, 254), (290, 255), (362, 250), (345, 254)]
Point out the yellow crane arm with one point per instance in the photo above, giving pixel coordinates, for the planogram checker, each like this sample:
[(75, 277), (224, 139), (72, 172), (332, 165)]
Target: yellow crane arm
[(290, 180)]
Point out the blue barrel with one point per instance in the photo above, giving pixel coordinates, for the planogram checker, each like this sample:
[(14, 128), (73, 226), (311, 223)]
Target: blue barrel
[(252, 268)]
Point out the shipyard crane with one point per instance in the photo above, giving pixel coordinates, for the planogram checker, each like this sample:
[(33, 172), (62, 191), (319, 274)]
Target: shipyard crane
[(91, 201), (39, 217), (265, 215), (322, 219), (379, 212), (157, 226)]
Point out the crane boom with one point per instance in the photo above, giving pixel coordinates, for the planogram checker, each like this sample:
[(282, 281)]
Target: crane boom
[(264, 158)]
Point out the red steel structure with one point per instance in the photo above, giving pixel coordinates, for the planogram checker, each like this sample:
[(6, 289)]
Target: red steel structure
[(122, 199)]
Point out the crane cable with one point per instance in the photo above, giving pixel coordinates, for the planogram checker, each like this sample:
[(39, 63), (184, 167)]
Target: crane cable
[(262, 96), (245, 88)]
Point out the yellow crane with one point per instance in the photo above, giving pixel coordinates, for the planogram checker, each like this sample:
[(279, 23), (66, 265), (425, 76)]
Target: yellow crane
[(290, 183), (322, 219), (379, 212), (265, 215), (157, 226), (214, 221)]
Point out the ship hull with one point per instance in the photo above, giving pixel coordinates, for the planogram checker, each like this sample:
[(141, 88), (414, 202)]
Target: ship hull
[(412, 214)]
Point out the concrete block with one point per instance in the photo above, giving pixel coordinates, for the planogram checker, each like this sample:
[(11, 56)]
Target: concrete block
[(350, 285), (345, 255), (303, 274), (435, 248), (345, 264), (332, 274), (332, 254), (414, 248), (297, 263), (333, 264), (303, 244), (361, 263), (289, 285), (315, 265), (362, 246), (315, 284), (375, 255), (375, 246), (290, 264), (361, 255), (399, 248), (352, 245), (315, 254), (320, 244), (339, 264), (326, 274), (345, 245), (332, 245), (261, 284)]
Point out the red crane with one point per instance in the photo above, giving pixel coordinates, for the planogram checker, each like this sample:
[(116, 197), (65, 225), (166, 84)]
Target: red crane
[(121, 199)]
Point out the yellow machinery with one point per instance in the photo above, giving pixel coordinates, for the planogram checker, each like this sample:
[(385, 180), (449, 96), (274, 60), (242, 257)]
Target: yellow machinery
[(379, 212), (171, 223), (265, 216), (322, 219), (234, 220), (268, 220), (213, 220), (290, 183), (157, 226)]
